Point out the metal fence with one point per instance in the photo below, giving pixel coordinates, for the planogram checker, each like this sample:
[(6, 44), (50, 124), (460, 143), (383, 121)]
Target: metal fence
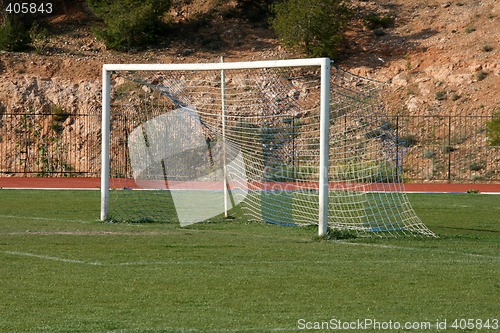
[(437, 148), (447, 148), (57, 144)]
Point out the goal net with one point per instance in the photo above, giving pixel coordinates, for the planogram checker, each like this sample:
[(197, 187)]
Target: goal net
[(290, 142)]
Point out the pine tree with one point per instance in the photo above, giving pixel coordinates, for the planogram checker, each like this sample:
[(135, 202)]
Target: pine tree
[(129, 24), (316, 26)]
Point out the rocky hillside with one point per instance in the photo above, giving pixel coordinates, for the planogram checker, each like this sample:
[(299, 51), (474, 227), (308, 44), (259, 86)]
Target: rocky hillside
[(441, 57), (438, 56)]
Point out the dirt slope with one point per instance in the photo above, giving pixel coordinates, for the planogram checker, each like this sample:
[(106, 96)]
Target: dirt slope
[(440, 57)]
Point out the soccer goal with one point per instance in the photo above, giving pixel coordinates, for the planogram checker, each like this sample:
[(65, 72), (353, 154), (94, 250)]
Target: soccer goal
[(287, 142)]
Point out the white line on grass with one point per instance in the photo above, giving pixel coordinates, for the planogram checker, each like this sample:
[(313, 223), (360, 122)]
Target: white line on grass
[(220, 330), (39, 256), (182, 262), (55, 219), (384, 246), (221, 262), (35, 218)]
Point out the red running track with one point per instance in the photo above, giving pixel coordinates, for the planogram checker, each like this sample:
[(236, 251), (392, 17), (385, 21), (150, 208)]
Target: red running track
[(95, 183)]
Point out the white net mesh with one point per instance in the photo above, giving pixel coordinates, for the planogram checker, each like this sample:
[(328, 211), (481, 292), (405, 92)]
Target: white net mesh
[(174, 131), (170, 152)]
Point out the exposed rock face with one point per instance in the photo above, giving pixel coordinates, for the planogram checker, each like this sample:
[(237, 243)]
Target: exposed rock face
[(49, 125), (21, 93)]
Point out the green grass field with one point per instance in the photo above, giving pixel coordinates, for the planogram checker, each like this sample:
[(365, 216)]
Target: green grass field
[(63, 271)]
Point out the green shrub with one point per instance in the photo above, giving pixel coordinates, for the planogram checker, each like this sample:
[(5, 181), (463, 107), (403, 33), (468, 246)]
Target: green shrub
[(129, 24), (375, 21), (487, 48), (441, 95), (470, 29), (481, 75), (13, 35), (408, 140), (39, 37), (493, 127), (336, 234), (429, 153), (316, 26), (254, 10), (477, 166)]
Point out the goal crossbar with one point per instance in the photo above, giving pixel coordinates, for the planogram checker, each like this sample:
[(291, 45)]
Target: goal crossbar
[(320, 62)]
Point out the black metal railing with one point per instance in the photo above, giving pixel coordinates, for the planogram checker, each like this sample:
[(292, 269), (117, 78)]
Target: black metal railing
[(57, 144), (437, 147), (447, 148)]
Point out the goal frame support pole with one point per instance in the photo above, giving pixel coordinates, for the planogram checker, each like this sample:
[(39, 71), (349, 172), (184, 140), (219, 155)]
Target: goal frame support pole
[(224, 156), (324, 141), (105, 145)]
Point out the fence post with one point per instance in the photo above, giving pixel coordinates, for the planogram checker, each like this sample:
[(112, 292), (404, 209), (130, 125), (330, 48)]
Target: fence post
[(449, 149), (397, 145)]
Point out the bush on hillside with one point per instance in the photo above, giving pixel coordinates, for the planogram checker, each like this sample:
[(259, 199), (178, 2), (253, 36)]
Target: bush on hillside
[(493, 127), (254, 10), (130, 24), (316, 26), (14, 36)]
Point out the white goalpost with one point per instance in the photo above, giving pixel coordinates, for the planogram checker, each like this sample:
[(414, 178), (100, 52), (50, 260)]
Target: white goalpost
[(288, 142)]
